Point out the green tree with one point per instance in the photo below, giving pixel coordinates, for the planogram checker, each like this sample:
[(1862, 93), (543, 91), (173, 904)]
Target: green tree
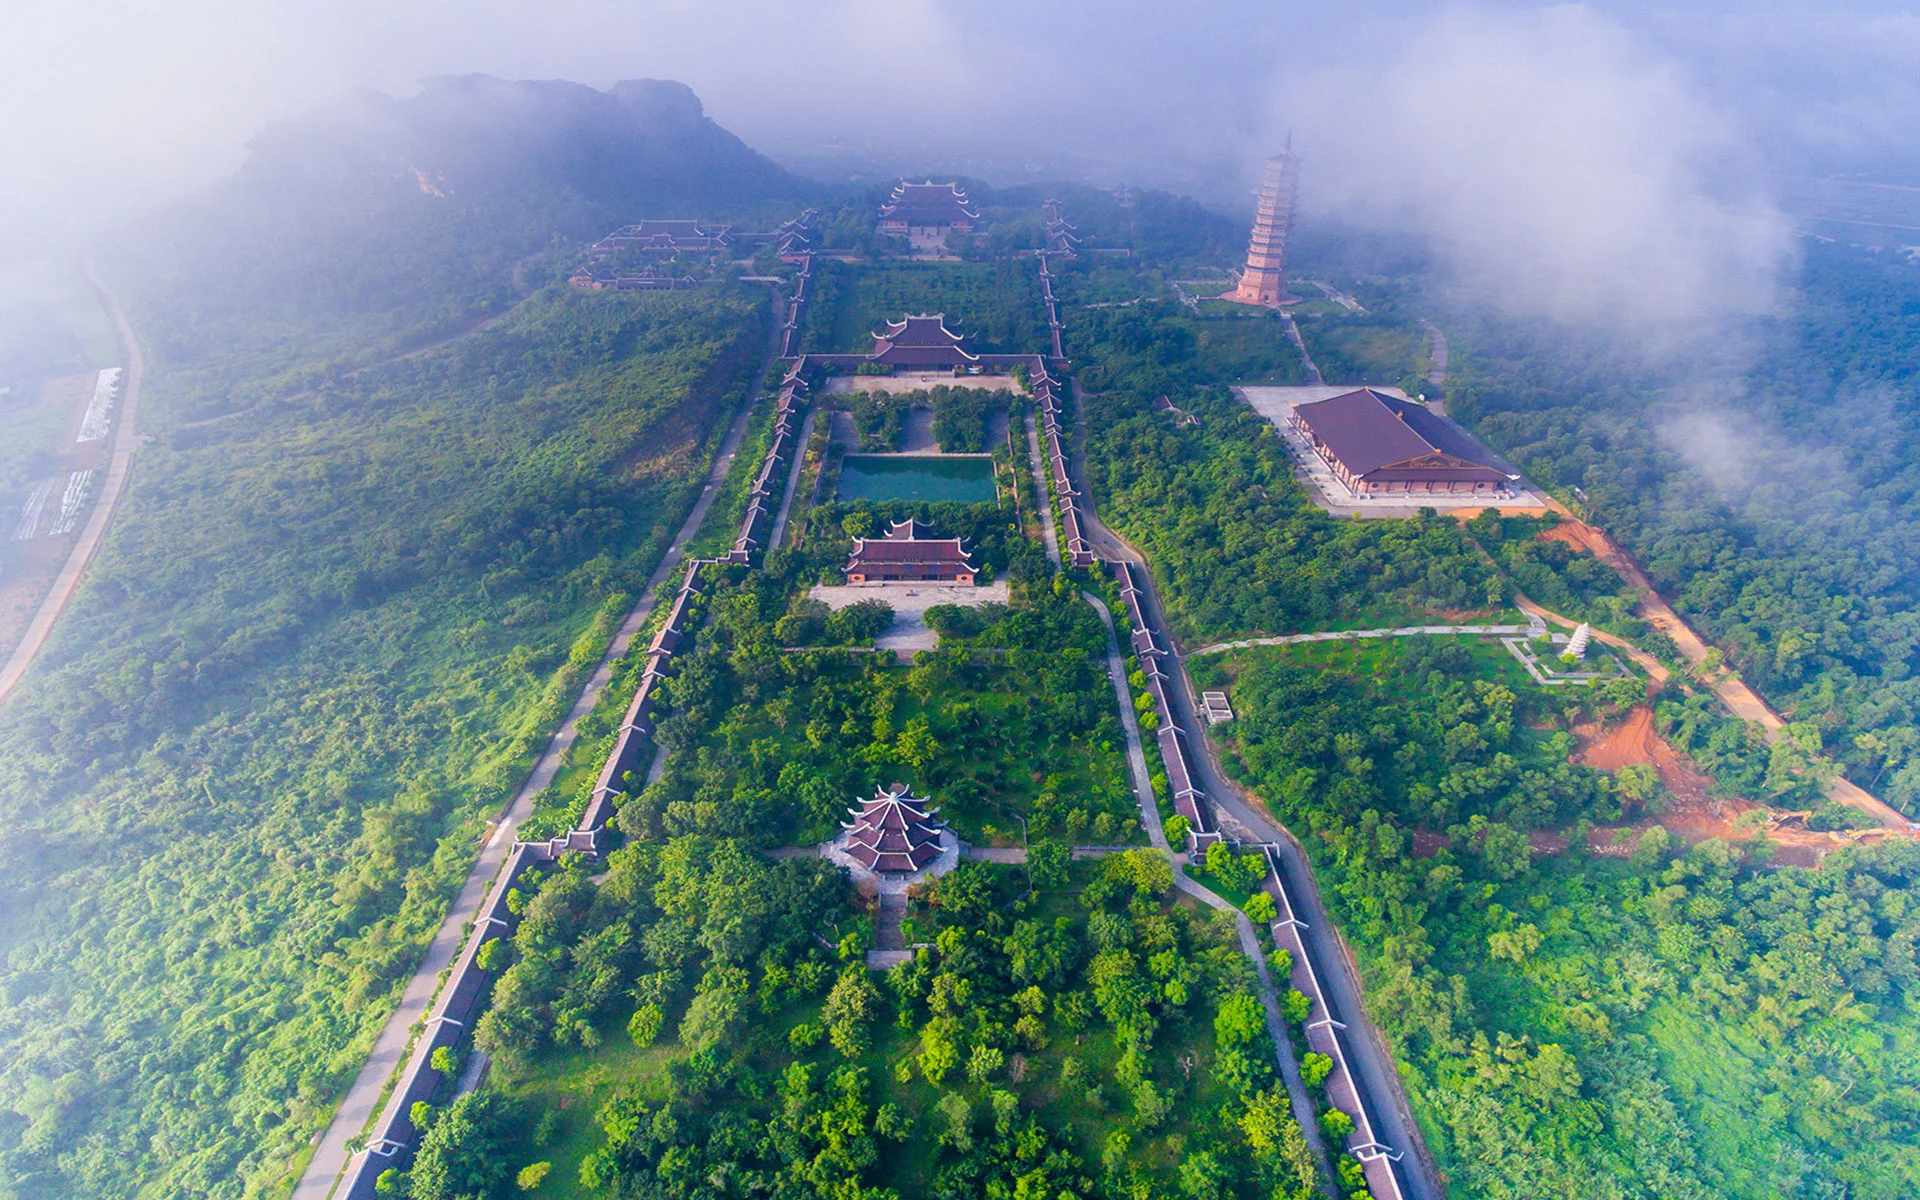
[(1315, 1067), (849, 1012), (465, 1154), (1049, 861)]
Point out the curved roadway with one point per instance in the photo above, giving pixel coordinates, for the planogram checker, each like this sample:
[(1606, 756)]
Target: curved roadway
[(119, 466)]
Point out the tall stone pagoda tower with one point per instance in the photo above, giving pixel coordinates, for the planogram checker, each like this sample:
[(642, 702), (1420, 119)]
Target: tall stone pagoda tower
[(1265, 280)]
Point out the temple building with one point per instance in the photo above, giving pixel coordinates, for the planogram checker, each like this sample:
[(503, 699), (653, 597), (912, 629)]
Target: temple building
[(1377, 444), (893, 833), (927, 211), (652, 279), (908, 553), (666, 237), (1264, 282), (921, 342)]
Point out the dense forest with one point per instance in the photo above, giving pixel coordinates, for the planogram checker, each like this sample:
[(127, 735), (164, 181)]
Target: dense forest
[(701, 1021), (330, 628), (1768, 490), (1649, 1021), (322, 642), (776, 734), (702, 1024)]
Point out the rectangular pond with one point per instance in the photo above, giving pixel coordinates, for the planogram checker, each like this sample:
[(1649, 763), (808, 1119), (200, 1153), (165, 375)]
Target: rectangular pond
[(963, 478)]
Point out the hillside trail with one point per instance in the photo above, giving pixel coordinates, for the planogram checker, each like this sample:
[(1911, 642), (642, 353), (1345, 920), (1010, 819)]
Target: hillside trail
[(125, 441), (363, 1096), (1740, 699), (471, 330)]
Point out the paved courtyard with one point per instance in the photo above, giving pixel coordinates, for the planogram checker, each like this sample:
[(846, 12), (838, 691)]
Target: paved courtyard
[(920, 381), (910, 602), (1276, 404)]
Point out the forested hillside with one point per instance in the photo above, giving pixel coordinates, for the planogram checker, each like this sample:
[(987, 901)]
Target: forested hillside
[(329, 629), (377, 225), (1770, 492), (1666, 1023)]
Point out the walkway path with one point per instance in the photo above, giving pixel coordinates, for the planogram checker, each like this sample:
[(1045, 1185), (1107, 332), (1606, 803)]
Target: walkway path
[(1299, 343), (1437, 352), (793, 480), (1157, 835), (357, 1107), (125, 441), (1050, 535), (1342, 635), (1301, 1101)]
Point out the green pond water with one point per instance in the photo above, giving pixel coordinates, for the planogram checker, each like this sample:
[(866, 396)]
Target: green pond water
[(964, 478)]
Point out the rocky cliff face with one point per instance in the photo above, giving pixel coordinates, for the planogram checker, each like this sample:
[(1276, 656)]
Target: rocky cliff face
[(644, 142)]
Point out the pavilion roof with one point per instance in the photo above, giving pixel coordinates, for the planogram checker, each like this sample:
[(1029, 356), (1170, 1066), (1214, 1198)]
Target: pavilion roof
[(894, 831), (920, 339)]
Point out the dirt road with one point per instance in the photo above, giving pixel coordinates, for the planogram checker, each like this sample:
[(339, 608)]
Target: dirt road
[(119, 466), (1733, 691)]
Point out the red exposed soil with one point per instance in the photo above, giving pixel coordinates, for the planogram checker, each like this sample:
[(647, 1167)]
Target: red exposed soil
[(1691, 813)]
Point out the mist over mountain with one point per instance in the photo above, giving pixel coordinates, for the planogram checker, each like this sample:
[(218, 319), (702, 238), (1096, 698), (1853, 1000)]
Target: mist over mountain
[(406, 217), (641, 141)]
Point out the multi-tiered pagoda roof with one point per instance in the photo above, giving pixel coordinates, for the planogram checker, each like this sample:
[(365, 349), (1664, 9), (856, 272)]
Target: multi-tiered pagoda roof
[(893, 833)]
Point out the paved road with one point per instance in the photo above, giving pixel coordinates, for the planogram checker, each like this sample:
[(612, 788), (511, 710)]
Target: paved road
[(1372, 1063), (389, 1049), (1045, 509), (1345, 635), (125, 441)]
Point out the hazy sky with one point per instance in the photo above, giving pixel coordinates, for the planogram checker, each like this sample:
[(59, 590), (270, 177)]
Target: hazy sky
[(1615, 119)]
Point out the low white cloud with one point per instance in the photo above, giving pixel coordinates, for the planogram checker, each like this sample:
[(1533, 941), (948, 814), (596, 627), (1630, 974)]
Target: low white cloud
[(1560, 165)]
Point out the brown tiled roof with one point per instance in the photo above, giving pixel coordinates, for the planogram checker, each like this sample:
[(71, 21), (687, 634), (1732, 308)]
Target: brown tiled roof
[(893, 831), (921, 340), (931, 550), (928, 203), (1379, 437)]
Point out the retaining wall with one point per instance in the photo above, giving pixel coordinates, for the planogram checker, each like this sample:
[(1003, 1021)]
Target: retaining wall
[(786, 428), (1326, 1034)]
